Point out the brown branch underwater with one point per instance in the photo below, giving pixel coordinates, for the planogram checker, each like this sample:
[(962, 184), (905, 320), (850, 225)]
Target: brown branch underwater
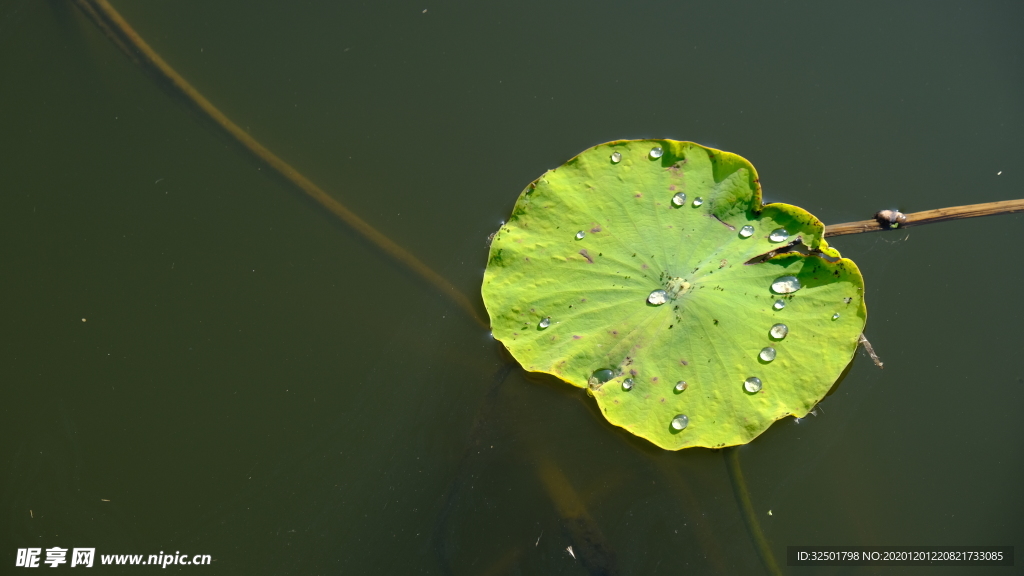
[(126, 38)]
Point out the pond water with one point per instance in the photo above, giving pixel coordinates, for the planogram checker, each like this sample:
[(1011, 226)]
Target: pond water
[(196, 358)]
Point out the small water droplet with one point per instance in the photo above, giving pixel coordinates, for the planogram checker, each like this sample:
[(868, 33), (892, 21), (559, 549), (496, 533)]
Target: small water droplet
[(779, 304), (835, 316), (658, 297), (580, 235), (679, 422), (767, 354), (779, 331), (656, 152), (627, 384), (616, 157), (603, 375), (698, 201), (786, 285), (679, 199), (752, 384), (680, 386), (747, 231), (544, 323), (778, 235)]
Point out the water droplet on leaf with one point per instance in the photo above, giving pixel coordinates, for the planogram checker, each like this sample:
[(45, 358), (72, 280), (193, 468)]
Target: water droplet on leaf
[(680, 386), (778, 235), (679, 199), (545, 323), (779, 331), (656, 152), (747, 231), (767, 354), (580, 235), (785, 285), (627, 384), (835, 316), (603, 375), (616, 157), (680, 422), (779, 304), (698, 201), (752, 384), (658, 297)]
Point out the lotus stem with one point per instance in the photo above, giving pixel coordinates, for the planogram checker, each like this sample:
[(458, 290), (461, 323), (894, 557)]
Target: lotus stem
[(894, 220), (122, 34), (739, 486)]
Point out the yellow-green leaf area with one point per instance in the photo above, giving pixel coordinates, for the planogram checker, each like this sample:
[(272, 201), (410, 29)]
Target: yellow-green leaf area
[(570, 277)]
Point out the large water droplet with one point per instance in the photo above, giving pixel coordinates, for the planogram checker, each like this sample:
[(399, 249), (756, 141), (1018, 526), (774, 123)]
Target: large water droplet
[(656, 152), (627, 384), (835, 316), (785, 285), (680, 422), (779, 304), (767, 354), (580, 235), (698, 201), (658, 297), (679, 199), (544, 323), (603, 375), (752, 384), (616, 157), (779, 331), (747, 231), (680, 386), (778, 235)]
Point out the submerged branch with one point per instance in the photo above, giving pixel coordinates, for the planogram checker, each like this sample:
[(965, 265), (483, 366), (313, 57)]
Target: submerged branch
[(926, 217), (122, 34)]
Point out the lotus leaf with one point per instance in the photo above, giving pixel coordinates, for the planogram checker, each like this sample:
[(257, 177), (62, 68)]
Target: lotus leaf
[(650, 273)]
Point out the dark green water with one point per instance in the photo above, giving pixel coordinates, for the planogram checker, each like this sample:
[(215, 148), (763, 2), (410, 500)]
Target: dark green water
[(255, 382)]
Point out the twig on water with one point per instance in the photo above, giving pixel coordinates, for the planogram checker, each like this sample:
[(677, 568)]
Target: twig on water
[(871, 351), (893, 220)]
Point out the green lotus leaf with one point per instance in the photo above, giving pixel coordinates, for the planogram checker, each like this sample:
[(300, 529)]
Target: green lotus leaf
[(573, 279)]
